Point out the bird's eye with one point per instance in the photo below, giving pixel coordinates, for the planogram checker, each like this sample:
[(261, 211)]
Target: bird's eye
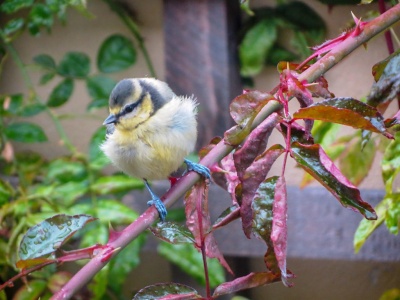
[(128, 109)]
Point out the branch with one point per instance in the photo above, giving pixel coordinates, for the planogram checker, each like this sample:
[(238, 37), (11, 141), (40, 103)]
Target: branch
[(83, 276)]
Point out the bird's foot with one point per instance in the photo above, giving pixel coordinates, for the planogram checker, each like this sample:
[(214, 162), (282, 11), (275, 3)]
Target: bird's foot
[(159, 205), (198, 168)]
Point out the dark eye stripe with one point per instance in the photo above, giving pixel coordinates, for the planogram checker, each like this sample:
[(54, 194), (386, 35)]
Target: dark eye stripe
[(129, 108)]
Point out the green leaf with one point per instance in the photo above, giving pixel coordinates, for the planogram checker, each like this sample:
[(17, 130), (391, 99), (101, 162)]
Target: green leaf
[(255, 47), (367, 227), (392, 294), (13, 26), (391, 163), (278, 54), (116, 184), (69, 192), (98, 285), (97, 159), (74, 64), (6, 191), (45, 61), (99, 88), (31, 110), (356, 163), (58, 280), (25, 132), (392, 220), (94, 233), (166, 291), (30, 291), (186, 257), (124, 263), (62, 170), (378, 68), (346, 111), (111, 211), (61, 93), (314, 160), (46, 237), (172, 233), (301, 15), (46, 78), (16, 101), (116, 53), (39, 16), (11, 6)]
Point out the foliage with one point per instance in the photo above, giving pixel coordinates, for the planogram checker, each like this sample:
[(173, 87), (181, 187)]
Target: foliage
[(53, 205)]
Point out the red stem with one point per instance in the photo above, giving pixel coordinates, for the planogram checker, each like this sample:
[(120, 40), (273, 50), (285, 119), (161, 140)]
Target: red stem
[(388, 36)]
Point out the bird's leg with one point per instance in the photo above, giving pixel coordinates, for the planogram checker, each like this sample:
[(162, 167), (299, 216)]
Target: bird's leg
[(198, 168), (156, 201)]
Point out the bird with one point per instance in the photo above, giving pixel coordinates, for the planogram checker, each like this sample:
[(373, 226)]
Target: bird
[(150, 131)]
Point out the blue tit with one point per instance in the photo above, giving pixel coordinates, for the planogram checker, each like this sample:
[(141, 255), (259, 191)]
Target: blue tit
[(150, 131)]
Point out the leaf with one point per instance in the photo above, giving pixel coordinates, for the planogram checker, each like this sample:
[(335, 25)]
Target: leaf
[(254, 175), (69, 192), (47, 77), (32, 290), (391, 163), (25, 132), (379, 68), (97, 159), (172, 233), (98, 285), (357, 162), (346, 111), (123, 263), (243, 110), (99, 88), (278, 54), (116, 53), (12, 6), (255, 46), (39, 16), (262, 207), (199, 223), (46, 237), (228, 215), (45, 61), (392, 220), (13, 26), (189, 260), (254, 145), (367, 227), (392, 294), (116, 184), (63, 170), (249, 281), (111, 211), (61, 93), (75, 65), (279, 227), (58, 280), (31, 110), (314, 160), (166, 291)]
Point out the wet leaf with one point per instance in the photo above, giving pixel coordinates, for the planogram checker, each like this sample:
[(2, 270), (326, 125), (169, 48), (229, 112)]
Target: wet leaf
[(262, 219), (254, 175), (313, 159), (116, 184), (61, 93), (75, 65), (230, 214), (46, 237), (232, 179), (116, 53), (256, 45), (187, 258), (251, 280), (279, 227), (346, 111), (172, 233), (254, 145), (25, 132), (356, 162), (379, 68), (167, 291), (367, 227)]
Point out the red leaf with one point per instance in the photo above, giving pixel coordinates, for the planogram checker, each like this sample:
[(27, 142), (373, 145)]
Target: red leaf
[(254, 145), (199, 223), (231, 176), (254, 175), (230, 214), (279, 227), (313, 159), (346, 111), (246, 282), (395, 120)]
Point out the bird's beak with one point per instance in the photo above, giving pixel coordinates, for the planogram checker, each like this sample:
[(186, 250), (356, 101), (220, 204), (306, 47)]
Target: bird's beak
[(110, 119)]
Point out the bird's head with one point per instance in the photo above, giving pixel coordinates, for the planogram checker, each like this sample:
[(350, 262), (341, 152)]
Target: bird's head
[(133, 101)]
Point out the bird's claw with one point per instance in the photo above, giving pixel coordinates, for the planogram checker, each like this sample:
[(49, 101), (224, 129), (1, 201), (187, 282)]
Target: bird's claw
[(159, 205), (198, 168)]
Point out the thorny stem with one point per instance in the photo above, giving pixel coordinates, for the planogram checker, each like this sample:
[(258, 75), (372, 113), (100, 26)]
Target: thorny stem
[(21, 66), (132, 26), (220, 150)]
